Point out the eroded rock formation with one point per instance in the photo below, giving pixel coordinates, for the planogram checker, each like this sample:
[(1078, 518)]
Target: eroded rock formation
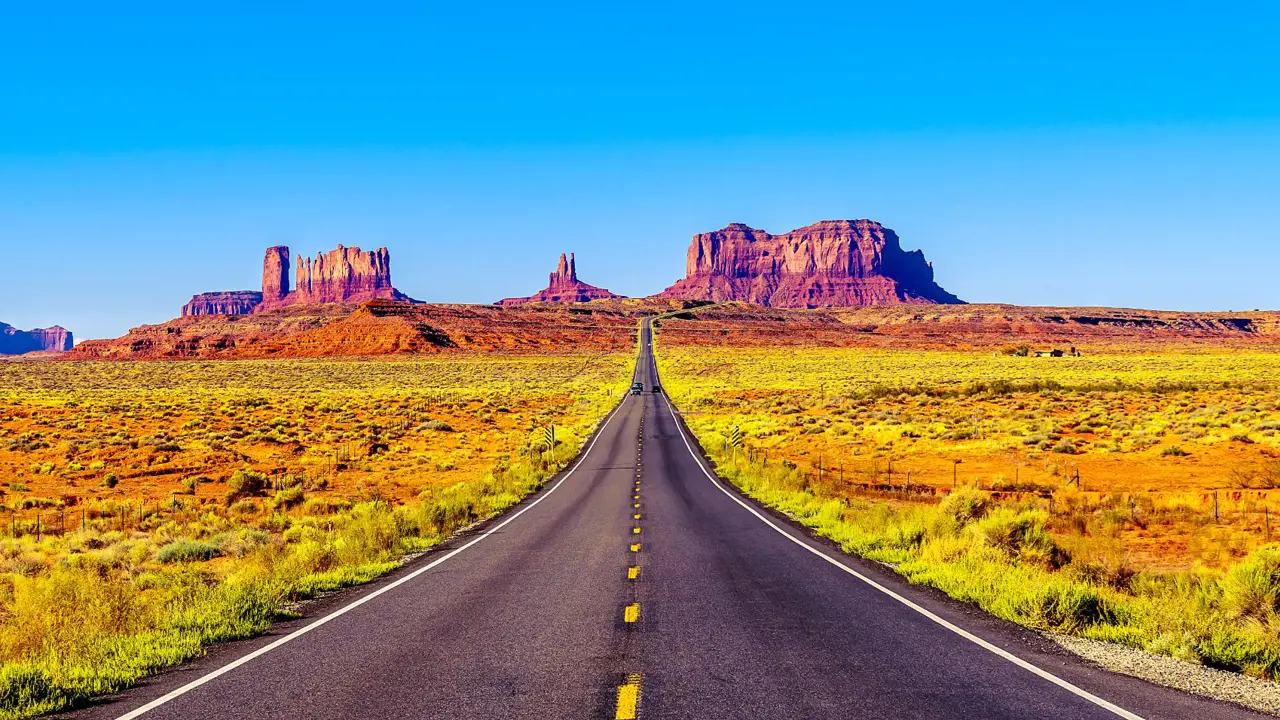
[(275, 274), (833, 263), (344, 275), (18, 342), (563, 286), (231, 302)]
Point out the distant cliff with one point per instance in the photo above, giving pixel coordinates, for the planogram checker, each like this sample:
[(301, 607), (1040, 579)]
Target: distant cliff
[(563, 286), (834, 263), (17, 342), (232, 302)]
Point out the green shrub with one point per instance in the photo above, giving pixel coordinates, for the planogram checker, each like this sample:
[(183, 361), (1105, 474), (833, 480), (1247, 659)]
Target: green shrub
[(1251, 589), (186, 551), (246, 482), (965, 505), (1020, 534)]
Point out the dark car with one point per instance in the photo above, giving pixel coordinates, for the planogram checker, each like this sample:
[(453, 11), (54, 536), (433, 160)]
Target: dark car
[(657, 389), (637, 388)]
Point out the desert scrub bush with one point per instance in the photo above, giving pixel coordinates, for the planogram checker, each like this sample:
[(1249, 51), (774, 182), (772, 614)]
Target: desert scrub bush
[(186, 551), (1021, 534), (965, 505), (246, 482)]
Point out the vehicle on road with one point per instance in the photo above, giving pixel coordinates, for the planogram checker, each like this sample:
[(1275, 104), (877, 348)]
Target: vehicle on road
[(637, 388), (657, 389)]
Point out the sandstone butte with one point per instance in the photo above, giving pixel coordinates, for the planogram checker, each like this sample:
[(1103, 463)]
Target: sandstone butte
[(19, 342), (344, 275), (833, 263), (563, 286)]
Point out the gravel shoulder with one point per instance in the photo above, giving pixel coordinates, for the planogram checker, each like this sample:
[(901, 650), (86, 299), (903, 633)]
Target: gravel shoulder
[(1250, 692)]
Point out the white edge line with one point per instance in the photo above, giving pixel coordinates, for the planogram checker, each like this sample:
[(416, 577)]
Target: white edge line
[(1080, 692), (173, 694)]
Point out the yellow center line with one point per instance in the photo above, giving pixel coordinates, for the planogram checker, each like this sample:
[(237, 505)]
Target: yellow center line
[(633, 572), (635, 531), (637, 505), (631, 613), (628, 699), (636, 516), (635, 547)]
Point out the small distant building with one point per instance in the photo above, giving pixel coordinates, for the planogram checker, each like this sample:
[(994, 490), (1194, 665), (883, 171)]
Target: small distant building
[(1050, 353)]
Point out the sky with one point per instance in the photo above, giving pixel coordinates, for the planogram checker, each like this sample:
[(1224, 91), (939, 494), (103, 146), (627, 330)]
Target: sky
[(1120, 154)]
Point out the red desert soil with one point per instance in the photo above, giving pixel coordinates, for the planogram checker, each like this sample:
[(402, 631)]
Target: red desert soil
[(382, 327)]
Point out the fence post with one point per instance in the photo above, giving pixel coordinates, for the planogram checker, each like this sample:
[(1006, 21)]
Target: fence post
[(1215, 506), (1266, 521)]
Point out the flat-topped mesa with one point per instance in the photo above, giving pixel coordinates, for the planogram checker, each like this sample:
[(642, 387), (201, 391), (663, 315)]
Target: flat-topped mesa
[(833, 263), (231, 302), (563, 286), (19, 342)]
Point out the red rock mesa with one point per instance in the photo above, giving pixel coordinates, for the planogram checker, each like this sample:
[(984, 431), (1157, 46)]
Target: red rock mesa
[(344, 275), (833, 263)]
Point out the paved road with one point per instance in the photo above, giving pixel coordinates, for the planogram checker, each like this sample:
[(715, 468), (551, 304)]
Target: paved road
[(712, 609)]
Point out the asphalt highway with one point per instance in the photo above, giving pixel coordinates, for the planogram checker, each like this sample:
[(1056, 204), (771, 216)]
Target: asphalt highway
[(637, 585)]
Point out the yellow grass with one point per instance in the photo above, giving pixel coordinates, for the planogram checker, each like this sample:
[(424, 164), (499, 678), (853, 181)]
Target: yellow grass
[(151, 509), (960, 470)]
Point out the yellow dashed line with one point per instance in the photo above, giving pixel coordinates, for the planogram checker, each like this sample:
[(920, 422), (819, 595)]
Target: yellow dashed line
[(635, 531), (637, 515), (635, 547), (633, 572), (631, 613), (637, 505)]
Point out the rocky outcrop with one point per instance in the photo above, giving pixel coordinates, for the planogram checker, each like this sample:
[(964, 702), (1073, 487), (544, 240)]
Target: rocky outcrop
[(275, 274), (231, 302), (833, 263), (345, 275), (18, 342), (342, 275), (563, 286)]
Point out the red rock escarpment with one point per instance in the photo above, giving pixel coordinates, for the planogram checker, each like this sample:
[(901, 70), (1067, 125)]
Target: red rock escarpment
[(17, 342), (833, 263), (231, 302), (563, 286)]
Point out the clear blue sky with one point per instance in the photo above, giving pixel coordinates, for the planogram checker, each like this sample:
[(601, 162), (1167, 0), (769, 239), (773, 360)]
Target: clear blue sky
[(1085, 153)]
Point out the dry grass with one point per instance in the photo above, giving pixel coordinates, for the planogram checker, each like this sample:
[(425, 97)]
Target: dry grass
[(152, 509), (862, 446)]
